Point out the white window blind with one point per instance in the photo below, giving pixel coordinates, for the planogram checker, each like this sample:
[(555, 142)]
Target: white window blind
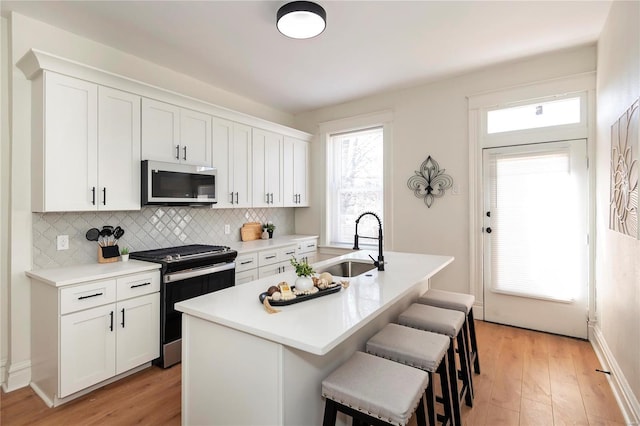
[(356, 183), (533, 242)]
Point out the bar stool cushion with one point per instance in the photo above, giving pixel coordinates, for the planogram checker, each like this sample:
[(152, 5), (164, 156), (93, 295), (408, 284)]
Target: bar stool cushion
[(381, 388), (438, 320), (448, 300), (420, 349)]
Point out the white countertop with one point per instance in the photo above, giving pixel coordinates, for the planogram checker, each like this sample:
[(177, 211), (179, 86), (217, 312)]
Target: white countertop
[(68, 275), (317, 325), (275, 242)]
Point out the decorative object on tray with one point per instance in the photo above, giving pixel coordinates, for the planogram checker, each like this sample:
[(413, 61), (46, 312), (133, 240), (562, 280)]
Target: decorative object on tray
[(283, 294), (269, 227), (251, 231), (304, 272), (124, 254), (429, 182), (623, 210)]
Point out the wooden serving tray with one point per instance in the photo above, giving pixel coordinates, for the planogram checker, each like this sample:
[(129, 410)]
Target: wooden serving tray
[(301, 298)]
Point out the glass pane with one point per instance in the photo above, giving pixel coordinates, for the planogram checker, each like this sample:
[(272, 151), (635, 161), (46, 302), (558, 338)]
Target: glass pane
[(535, 234), (533, 116), (357, 183)]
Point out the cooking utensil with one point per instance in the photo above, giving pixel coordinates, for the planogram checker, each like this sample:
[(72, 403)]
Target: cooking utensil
[(93, 234), (118, 233)]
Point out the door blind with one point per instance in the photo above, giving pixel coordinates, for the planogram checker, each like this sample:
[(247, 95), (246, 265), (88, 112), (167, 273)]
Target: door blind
[(533, 243)]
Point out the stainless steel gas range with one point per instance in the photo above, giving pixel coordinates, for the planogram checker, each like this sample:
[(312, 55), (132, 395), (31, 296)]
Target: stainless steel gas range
[(187, 271)]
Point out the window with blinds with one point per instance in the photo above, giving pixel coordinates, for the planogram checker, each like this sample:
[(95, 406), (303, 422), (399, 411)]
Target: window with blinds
[(533, 243)]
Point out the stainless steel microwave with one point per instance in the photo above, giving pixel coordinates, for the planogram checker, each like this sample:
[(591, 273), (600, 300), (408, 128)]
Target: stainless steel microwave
[(177, 184)]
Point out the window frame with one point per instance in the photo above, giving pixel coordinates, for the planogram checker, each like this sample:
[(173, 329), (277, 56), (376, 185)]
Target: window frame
[(383, 119)]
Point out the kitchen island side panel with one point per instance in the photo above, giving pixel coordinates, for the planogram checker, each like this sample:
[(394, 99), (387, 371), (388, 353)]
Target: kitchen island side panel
[(229, 377)]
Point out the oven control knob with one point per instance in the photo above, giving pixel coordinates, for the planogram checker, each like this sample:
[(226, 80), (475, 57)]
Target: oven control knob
[(168, 258)]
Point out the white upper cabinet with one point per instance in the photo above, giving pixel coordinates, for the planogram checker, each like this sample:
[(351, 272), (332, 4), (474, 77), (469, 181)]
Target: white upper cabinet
[(175, 135), (86, 146), (118, 150), (267, 168), (295, 165), (232, 159)]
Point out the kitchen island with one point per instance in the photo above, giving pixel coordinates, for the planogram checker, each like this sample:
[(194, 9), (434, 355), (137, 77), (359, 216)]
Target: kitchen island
[(243, 366)]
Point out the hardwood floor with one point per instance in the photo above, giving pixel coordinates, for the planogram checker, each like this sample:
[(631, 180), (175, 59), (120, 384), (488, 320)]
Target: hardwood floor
[(528, 378)]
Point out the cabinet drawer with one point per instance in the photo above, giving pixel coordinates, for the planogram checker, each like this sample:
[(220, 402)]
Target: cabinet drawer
[(246, 276), (245, 262), (86, 296), (276, 255), (138, 285), (307, 246), (287, 253)]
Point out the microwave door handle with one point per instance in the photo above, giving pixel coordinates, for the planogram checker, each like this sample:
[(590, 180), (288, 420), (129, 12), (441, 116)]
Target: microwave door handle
[(192, 273)]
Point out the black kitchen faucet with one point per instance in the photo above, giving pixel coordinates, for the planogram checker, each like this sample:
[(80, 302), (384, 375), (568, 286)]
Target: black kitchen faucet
[(380, 262)]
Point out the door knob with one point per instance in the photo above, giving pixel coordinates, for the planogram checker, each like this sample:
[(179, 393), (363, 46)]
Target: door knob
[(488, 230)]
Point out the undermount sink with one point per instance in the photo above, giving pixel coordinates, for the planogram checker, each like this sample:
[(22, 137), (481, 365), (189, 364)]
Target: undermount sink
[(349, 269)]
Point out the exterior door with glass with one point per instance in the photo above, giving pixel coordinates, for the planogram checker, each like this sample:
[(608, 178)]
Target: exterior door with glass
[(536, 236)]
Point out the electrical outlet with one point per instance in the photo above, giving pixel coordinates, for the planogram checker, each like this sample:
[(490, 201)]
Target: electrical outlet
[(62, 242), (227, 229)]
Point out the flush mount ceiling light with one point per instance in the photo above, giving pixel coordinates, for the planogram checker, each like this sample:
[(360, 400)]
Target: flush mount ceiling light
[(301, 19)]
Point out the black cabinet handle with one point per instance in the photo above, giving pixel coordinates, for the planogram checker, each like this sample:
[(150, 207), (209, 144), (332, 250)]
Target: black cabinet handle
[(272, 198), (270, 257), (122, 318), (246, 262), (177, 152), (111, 325), (185, 153), (232, 198), (140, 285), (93, 195), (236, 198), (104, 196), (89, 296), (290, 252)]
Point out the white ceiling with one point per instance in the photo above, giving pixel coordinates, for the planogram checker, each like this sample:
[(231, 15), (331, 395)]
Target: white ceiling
[(368, 46)]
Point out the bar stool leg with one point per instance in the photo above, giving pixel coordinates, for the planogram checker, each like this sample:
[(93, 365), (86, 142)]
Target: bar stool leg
[(330, 413), (474, 342), (453, 379), (465, 368)]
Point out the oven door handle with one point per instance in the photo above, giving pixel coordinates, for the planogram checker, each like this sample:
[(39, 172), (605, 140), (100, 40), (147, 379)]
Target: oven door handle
[(191, 273)]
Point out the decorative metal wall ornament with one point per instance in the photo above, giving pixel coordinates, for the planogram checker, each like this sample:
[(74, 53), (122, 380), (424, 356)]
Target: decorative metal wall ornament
[(623, 211), (429, 182)]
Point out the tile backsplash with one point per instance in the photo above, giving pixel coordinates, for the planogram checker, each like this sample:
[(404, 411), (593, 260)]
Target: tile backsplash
[(149, 228)]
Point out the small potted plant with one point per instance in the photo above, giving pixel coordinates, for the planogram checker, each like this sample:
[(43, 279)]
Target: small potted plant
[(269, 227), (124, 254), (304, 272)]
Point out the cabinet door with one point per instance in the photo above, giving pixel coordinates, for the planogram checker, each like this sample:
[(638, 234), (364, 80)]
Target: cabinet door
[(222, 161), (240, 181), (118, 150), (138, 331), (246, 276), (289, 196), (195, 138), (301, 172), (160, 131), (87, 348), (70, 153), (267, 169), (295, 161)]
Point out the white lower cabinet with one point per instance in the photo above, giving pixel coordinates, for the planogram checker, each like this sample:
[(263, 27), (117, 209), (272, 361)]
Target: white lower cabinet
[(102, 328)]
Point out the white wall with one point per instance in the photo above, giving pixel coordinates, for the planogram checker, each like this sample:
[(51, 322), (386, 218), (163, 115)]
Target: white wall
[(432, 120), (617, 256), (24, 34)]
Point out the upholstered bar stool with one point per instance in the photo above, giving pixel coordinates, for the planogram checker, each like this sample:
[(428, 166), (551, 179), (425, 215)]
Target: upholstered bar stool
[(420, 349), (451, 324), (375, 391), (459, 302)]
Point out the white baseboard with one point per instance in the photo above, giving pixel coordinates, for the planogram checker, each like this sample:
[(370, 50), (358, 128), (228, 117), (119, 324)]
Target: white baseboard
[(19, 376), (478, 311), (621, 390), (3, 371)]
